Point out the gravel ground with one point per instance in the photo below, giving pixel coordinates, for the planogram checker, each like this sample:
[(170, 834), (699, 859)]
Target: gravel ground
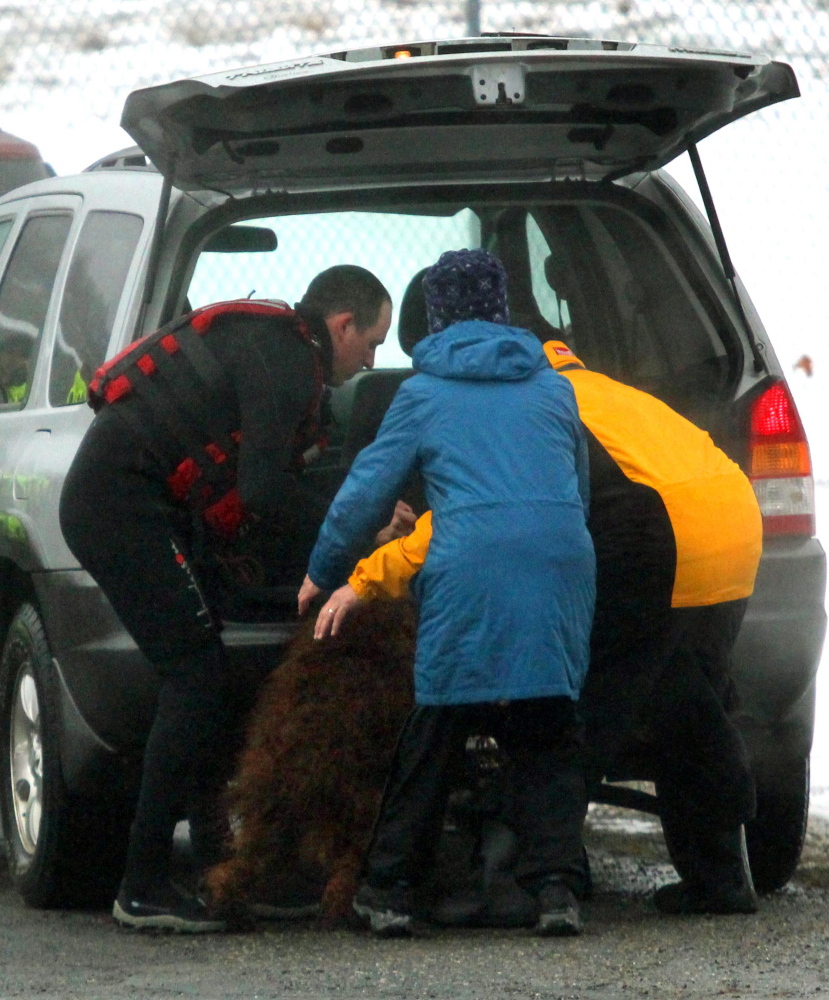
[(627, 949)]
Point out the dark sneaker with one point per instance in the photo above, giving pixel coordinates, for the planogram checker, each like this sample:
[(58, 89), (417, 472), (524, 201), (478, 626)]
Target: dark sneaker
[(388, 911), (168, 909), (686, 898), (559, 914)]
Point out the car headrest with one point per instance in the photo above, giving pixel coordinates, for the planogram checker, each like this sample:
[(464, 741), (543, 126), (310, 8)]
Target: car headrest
[(413, 323)]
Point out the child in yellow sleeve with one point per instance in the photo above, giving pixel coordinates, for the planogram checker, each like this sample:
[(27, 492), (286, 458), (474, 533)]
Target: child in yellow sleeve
[(385, 573)]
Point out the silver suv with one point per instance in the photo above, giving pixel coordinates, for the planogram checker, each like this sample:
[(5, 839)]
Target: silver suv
[(546, 151)]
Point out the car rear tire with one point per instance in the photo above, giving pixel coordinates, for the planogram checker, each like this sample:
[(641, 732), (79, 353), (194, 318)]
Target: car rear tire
[(62, 850), (775, 836)]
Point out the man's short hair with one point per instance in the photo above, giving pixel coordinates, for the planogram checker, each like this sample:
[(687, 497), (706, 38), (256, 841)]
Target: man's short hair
[(347, 288)]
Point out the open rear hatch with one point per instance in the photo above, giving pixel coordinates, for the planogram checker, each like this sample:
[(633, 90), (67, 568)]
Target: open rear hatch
[(490, 108)]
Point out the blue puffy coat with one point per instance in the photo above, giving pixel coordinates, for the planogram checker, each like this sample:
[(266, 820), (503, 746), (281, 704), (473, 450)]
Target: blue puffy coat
[(506, 593)]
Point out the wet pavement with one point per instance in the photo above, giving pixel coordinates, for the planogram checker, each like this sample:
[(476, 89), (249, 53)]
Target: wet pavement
[(627, 949)]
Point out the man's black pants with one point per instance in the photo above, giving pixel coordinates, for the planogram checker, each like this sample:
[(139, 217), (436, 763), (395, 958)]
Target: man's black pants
[(121, 525), (543, 740)]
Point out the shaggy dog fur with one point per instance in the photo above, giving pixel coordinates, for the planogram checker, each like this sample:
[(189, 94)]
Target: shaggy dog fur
[(318, 750)]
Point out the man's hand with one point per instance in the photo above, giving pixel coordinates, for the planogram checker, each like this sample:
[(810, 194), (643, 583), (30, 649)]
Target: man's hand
[(307, 592), (336, 609), (402, 523)]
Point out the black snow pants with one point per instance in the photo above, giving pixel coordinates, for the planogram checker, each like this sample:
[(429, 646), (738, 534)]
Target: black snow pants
[(542, 738), (120, 523), (665, 701), (703, 769)]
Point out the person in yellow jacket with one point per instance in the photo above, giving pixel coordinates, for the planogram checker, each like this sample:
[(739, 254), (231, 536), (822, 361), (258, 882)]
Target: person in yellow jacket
[(678, 537)]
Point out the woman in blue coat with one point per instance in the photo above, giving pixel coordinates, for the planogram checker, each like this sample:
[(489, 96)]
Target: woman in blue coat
[(506, 593)]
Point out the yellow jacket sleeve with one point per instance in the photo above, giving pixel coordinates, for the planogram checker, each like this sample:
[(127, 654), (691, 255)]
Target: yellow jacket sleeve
[(387, 571)]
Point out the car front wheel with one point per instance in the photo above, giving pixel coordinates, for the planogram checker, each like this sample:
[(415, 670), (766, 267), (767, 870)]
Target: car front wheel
[(62, 851)]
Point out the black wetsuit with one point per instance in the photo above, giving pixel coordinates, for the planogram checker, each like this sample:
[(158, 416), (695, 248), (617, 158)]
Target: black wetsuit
[(135, 528)]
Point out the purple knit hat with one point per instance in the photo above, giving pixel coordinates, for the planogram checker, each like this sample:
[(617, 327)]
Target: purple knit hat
[(465, 284)]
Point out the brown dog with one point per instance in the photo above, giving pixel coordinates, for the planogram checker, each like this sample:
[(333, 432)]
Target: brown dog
[(318, 750)]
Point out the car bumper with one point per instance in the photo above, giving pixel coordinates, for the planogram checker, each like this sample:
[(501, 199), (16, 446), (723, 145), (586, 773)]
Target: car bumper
[(778, 651)]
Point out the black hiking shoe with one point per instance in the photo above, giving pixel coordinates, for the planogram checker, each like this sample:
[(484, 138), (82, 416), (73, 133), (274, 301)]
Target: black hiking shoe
[(559, 914), (388, 911), (166, 908), (686, 898)]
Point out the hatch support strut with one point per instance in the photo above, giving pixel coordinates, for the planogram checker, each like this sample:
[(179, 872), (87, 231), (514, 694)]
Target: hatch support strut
[(725, 257)]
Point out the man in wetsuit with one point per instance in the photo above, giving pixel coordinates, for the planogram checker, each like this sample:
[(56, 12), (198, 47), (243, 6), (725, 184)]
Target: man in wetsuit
[(200, 431)]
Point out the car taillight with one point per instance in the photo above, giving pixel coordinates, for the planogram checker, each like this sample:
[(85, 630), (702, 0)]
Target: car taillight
[(780, 467)]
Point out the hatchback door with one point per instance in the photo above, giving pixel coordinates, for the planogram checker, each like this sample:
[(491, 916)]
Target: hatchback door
[(506, 108)]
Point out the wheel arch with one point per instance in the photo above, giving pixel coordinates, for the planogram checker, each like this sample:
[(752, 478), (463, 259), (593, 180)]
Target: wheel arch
[(16, 586)]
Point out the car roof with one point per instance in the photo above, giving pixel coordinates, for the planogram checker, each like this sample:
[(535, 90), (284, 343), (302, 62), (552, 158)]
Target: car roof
[(490, 108)]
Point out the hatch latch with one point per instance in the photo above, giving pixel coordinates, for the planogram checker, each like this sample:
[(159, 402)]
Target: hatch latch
[(495, 83)]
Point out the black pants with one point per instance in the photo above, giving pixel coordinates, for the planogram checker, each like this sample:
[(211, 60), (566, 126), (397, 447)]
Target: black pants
[(543, 741), (703, 768), (122, 527), (662, 695)]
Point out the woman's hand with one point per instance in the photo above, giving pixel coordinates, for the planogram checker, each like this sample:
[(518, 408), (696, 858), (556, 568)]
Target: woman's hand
[(335, 611), (307, 592), (402, 523)]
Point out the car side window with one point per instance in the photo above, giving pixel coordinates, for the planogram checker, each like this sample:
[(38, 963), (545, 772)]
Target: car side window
[(5, 229), (94, 286), (25, 294), (550, 304), (632, 310)]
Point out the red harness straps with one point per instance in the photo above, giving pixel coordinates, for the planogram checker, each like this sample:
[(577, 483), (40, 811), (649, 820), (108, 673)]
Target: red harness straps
[(175, 375)]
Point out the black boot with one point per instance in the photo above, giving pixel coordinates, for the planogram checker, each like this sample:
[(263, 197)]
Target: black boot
[(719, 878)]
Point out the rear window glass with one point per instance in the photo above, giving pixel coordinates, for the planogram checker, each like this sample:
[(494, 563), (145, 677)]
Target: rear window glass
[(394, 246), (25, 294), (5, 229), (609, 278), (93, 291)]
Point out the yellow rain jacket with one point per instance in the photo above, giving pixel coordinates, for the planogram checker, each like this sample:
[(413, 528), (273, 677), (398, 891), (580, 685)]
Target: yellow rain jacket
[(711, 505)]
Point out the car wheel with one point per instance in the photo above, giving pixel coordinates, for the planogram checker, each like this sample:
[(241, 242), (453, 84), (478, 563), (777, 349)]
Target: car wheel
[(61, 850), (775, 836)]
